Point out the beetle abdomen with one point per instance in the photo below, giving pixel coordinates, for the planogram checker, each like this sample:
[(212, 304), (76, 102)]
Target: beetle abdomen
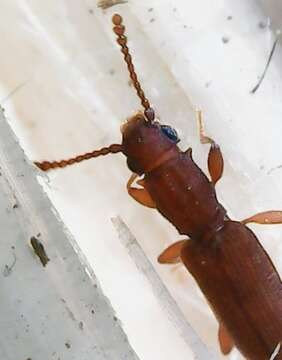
[(242, 285)]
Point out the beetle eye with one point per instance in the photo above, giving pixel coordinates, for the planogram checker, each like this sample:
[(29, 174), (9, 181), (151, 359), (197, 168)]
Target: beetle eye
[(170, 133)]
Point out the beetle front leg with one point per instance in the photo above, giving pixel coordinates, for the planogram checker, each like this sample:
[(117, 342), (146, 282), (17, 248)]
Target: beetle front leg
[(140, 195), (215, 158)]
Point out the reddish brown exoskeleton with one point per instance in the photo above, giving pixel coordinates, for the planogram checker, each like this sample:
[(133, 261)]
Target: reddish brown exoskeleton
[(226, 259)]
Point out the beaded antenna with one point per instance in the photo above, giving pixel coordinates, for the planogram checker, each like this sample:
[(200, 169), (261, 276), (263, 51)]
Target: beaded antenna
[(148, 112), (119, 30), (48, 165)]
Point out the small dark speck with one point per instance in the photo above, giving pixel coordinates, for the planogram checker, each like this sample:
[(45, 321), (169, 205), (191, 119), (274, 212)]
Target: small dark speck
[(112, 72), (12, 247), (229, 17), (29, 359), (15, 206), (39, 250), (67, 345), (115, 318), (185, 26), (207, 84), (95, 286), (150, 9), (262, 24), (81, 325), (225, 39), (91, 11), (152, 20), (105, 4), (92, 312)]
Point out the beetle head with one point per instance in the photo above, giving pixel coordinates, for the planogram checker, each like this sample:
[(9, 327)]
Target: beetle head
[(145, 142)]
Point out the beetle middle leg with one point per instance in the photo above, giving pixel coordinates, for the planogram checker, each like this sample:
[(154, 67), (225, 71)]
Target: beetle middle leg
[(215, 158), (140, 195), (175, 254), (171, 255), (265, 218)]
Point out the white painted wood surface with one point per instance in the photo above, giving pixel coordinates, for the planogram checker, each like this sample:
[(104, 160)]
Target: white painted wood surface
[(65, 89), (54, 312)]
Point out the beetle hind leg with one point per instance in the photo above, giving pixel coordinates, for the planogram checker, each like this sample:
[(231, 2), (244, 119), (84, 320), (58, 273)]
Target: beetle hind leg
[(226, 342)]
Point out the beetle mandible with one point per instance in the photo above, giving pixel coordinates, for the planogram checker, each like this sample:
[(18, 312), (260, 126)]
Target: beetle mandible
[(225, 258)]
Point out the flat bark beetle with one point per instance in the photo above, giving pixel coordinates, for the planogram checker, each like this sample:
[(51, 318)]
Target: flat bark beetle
[(224, 256)]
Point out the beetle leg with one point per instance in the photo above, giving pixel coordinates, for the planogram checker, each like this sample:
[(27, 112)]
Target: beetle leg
[(226, 342), (171, 255), (215, 158), (140, 195), (266, 217)]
